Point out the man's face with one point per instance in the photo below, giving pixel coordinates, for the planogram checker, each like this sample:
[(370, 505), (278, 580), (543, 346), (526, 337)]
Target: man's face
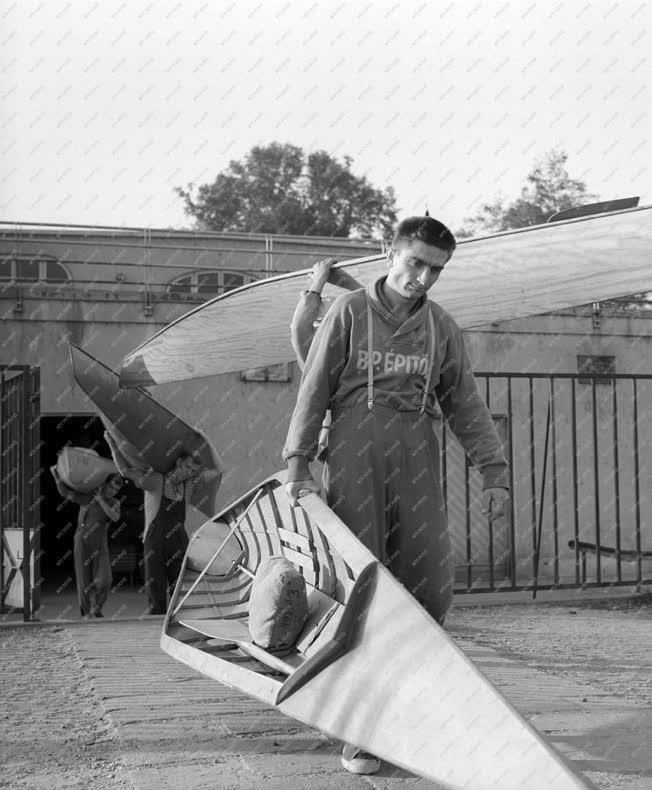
[(415, 268), (112, 487), (186, 468)]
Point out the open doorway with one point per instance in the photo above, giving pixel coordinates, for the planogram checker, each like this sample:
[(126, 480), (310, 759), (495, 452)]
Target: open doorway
[(59, 517)]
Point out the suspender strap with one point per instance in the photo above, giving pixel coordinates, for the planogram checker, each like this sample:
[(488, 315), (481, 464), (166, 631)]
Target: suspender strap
[(431, 359), (370, 351), (370, 358)]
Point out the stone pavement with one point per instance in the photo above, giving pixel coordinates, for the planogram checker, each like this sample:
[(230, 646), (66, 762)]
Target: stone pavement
[(98, 704), (178, 730)]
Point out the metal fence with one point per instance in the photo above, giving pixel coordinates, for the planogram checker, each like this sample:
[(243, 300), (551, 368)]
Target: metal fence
[(19, 488), (580, 451)]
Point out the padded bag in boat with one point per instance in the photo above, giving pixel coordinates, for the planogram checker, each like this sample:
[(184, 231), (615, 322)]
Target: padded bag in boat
[(278, 604)]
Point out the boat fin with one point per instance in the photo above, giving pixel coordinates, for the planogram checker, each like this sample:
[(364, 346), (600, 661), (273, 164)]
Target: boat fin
[(590, 209)]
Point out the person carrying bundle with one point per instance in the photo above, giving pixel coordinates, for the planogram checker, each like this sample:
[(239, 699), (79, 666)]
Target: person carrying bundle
[(91, 545)]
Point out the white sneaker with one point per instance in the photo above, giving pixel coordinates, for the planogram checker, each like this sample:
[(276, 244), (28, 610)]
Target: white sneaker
[(357, 761)]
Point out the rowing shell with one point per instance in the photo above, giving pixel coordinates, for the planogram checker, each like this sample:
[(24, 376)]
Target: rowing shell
[(371, 667), (146, 433), (501, 277)]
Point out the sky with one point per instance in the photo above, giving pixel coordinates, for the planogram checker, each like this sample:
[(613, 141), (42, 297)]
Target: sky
[(106, 107)]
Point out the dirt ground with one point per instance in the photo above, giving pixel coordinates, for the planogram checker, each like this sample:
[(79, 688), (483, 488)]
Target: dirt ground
[(56, 734), (53, 732), (602, 643)]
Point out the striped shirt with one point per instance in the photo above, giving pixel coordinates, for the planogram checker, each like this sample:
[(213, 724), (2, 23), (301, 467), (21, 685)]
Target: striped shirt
[(157, 486), (153, 484)]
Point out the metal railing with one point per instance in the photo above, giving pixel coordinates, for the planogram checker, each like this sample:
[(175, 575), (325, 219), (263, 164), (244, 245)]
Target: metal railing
[(20, 473), (577, 446)]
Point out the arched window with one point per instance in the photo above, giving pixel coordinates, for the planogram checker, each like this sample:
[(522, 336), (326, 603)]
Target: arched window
[(208, 284), (31, 269)]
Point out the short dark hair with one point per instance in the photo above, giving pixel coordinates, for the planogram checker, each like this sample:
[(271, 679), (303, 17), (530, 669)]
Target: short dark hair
[(113, 476), (194, 456), (426, 229)]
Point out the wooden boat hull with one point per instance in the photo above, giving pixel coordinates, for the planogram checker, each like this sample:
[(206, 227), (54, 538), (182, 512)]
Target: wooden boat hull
[(508, 275), (374, 669), (83, 470), (147, 433)]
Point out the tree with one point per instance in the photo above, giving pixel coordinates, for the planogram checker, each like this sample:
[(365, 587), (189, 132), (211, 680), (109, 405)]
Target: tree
[(549, 189), (278, 188)]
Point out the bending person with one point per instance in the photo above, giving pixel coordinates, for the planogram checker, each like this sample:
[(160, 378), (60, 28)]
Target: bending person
[(91, 543), (165, 539)]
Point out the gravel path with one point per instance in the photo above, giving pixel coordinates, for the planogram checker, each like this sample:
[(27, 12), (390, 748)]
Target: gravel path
[(608, 644), (54, 733), (115, 712)]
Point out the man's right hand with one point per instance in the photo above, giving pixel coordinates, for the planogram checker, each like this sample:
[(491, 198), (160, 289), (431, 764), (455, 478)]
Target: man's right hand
[(298, 487)]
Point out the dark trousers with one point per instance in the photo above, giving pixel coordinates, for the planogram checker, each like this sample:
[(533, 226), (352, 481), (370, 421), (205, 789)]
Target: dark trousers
[(164, 549), (382, 478), (92, 569)]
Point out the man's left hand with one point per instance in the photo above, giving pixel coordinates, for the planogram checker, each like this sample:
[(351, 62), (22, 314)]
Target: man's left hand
[(495, 502), (320, 272)]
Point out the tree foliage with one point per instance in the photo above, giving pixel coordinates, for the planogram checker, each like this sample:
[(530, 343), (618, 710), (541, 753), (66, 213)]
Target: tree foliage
[(548, 189), (278, 188)]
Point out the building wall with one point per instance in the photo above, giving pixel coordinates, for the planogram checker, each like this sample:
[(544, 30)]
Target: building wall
[(247, 421), (127, 265), (580, 494)]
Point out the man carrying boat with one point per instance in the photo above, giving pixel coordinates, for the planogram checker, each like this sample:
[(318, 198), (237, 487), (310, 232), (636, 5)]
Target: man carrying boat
[(165, 539), (382, 359), (91, 544)]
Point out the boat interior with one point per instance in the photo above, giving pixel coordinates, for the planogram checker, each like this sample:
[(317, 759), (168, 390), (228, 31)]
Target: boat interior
[(209, 609)]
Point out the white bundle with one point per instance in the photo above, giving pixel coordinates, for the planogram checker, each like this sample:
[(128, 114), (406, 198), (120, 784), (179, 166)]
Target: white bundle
[(83, 469)]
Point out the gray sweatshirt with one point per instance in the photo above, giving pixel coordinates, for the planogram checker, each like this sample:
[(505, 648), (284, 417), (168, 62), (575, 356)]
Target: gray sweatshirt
[(336, 376)]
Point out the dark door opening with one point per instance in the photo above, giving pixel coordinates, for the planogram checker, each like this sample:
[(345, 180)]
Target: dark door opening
[(59, 516)]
